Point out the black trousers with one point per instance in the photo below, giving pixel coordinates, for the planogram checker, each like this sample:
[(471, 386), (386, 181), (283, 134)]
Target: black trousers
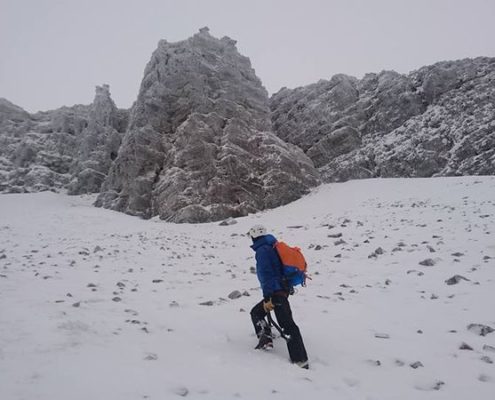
[(283, 313)]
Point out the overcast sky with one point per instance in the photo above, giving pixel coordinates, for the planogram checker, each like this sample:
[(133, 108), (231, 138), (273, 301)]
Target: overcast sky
[(54, 53)]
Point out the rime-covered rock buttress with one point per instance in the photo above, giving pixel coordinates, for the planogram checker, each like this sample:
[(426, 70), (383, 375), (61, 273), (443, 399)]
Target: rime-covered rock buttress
[(199, 145)]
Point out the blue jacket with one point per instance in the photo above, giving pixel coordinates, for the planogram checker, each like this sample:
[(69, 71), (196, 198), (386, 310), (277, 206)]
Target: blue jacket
[(268, 265)]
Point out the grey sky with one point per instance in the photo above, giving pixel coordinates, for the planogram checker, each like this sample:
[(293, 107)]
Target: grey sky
[(54, 53)]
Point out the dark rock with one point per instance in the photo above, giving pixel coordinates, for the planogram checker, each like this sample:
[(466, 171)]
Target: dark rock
[(455, 280), (480, 329), (417, 364), (235, 295), (382, 335), (465, 346), (428, 262), (431, 249)]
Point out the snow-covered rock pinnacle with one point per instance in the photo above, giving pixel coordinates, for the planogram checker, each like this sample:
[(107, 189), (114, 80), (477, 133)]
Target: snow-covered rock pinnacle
[(68, 148), (199, 146)]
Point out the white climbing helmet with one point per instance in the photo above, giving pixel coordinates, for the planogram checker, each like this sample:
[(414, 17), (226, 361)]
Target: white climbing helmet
[(256, 231)]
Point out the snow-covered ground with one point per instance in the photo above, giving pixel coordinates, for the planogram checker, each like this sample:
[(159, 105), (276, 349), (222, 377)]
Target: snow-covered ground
[(96, 304)]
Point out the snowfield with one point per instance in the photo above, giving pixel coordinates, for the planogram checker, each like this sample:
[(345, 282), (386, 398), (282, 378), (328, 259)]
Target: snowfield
[(95, 304)]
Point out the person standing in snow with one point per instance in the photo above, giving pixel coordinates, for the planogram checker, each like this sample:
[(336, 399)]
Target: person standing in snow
[(275, 298)]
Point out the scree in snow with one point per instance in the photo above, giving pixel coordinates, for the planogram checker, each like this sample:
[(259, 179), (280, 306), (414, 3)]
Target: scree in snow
[(95, 304)]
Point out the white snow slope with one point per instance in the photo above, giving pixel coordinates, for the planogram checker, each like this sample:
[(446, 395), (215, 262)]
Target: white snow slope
[(96, 304)]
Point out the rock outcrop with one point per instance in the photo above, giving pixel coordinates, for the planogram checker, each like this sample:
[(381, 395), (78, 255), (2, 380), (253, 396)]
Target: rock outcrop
[(199, 146), (203, 141), (439, 120), (68, 148), (98, 145)]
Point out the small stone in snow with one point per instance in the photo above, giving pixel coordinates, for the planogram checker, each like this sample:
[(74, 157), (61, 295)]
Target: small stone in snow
[(227, 222), (181, 391), (157, 280), (428, 262), (416, 365), (382, 335), (116, 299), (318, 247), (486, 359), (487, 347), (431, 249), (207, 303), (97, 249), (234, 295), (455, 280), (151, 357), (457, 254), (480, 329), (465, 346), (76, 304)]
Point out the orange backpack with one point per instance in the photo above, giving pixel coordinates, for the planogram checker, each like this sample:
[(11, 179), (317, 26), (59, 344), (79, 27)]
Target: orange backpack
[(294, 263)]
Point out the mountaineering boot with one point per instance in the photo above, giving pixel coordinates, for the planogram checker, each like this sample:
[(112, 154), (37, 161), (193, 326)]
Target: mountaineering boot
[(265, 342)]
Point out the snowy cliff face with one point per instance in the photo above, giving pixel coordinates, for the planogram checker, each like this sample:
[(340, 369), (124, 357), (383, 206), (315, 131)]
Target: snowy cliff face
[(199, 146), (68, 148), (439, 120), (98, 145)]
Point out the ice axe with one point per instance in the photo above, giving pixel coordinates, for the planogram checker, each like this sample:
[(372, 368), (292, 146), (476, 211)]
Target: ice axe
[(271, 322)]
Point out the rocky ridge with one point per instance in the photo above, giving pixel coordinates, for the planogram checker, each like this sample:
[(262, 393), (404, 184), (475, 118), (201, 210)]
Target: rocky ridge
[(436, 121), (204, 142), (68, 148)]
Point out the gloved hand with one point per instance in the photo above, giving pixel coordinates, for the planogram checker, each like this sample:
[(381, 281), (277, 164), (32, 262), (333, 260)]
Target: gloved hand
[(268, 305)]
